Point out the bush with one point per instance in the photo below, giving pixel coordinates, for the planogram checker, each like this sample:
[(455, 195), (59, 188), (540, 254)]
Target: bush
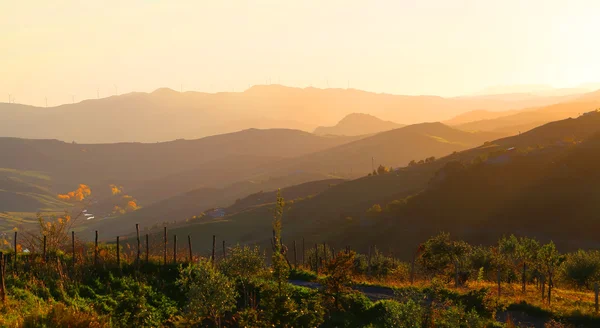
[(210, 293), (582, 268), (388, 313)]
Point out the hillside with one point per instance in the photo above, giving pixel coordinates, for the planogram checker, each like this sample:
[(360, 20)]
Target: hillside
[(357, 124), (395, 148), (477, 115), (497, 190), (524, 120), (166, 114)]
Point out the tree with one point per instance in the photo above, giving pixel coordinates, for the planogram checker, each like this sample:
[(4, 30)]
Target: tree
[(339, 276), (374, 211), (382, 170), (582, 268), (210, 294), (412, 163), (550, 259), (430, 159), (280, 268), (440, 254), (242, 264), (527, 252)]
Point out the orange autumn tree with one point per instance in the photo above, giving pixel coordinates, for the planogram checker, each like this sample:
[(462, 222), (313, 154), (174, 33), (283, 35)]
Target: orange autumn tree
[(116, 190), (126, 203), (79, 194)]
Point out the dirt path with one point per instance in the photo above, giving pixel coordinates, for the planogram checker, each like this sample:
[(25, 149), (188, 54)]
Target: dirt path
[(376, 293)]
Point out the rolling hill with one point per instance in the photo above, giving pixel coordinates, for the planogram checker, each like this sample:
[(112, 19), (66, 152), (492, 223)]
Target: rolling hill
[(357, 124), (397, 146), (165, 114), (393, 148), (542, 183), (33, 172)]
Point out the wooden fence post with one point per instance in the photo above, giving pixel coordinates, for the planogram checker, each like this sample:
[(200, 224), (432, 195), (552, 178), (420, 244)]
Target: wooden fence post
[(303, 253), (118, 253), (147, 249), (412, 268), (596, 296), (16, 252), (73, 246), (369, 262), (44, 258), (550, 285), (96, 249), (523, 277), (175, 249), (455, 274), (190, 248), (224, 251), (165, 251), (212, 257), (2, 285), (498, 277), (316, 259), (295, 256), (137, 233)]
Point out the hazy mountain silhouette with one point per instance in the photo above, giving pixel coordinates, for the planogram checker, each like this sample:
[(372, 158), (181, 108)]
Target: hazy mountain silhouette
[(526, 119), (356, 124), (168, 115)]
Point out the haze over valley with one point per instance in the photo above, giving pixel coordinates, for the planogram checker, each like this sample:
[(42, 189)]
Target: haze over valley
[(326, 164)]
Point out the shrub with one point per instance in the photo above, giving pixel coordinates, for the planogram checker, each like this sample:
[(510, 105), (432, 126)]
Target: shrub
[(210, 293), (582, 268), (388, 313)]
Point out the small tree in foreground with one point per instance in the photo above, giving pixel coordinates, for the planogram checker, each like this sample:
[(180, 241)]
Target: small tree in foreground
[(210, 294)]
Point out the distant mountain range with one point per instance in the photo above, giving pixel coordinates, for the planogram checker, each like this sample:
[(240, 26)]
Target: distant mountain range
[(165, 114), (356, 124)]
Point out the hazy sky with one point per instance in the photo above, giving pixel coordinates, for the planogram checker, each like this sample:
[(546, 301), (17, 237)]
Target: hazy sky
[(57, 49)]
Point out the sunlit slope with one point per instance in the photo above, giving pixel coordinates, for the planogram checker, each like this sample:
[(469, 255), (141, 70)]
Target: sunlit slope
[(393, 148), (544, 186)]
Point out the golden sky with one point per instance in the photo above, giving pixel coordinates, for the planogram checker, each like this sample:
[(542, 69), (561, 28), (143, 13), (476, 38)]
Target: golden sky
[(60, 49)]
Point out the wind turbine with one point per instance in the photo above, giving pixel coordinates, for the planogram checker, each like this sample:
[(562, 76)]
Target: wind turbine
[(46, 102)]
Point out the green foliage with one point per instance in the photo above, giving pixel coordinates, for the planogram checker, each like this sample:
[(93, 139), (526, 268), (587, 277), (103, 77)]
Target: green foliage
[(582, 268), (290, 306), (391, 314), (280, 267), (339, 277), (243, 263), (374, 211), (210, 294), (441, 254)]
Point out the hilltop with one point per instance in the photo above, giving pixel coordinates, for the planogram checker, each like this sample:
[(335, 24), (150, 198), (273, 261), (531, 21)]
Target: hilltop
[(357, 124), (166, 114)]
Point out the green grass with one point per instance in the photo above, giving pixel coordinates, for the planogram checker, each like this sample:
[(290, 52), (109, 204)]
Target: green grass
[(29, 174)]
